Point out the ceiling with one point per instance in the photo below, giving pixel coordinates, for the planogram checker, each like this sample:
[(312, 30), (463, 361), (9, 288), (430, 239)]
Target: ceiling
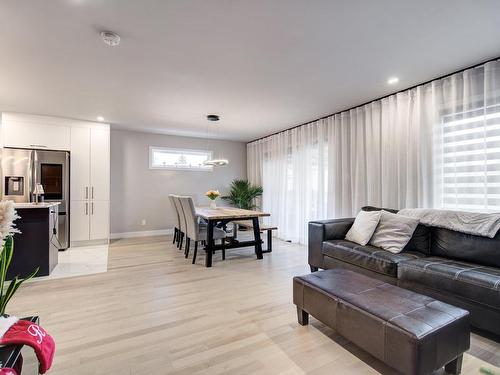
[(263, 65)]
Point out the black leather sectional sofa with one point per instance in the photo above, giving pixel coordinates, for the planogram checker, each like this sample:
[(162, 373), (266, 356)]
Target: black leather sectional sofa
[(458, 268)]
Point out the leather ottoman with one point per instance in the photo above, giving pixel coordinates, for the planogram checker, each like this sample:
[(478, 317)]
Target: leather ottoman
[(412, 333)]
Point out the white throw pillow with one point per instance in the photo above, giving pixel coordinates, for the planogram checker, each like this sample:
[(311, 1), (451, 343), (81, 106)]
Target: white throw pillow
[(363, 227), (393, 232)]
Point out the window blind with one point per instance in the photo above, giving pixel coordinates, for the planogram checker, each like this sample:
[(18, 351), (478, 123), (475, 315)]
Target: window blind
[(471, 159)]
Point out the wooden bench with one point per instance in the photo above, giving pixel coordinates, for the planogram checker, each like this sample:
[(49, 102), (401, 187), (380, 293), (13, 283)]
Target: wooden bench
[(263, 228)]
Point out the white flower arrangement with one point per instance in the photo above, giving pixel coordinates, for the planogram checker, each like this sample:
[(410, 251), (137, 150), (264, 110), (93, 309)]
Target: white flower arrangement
[(8, 215), (7, 229)]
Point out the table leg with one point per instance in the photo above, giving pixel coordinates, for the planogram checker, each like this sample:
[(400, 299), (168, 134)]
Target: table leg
[(210, 243), (256, 233)]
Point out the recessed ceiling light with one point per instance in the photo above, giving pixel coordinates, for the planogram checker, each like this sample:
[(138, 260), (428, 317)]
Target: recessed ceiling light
[(100, 118), (393, 80)]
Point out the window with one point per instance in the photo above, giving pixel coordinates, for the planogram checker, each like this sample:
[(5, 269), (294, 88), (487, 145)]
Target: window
[(179, 159), (470, 174)]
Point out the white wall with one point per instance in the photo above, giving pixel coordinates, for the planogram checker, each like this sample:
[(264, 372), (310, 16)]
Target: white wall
[(138, 192)]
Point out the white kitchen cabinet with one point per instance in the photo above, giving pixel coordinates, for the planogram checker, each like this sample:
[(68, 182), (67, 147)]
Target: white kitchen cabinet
[(90, 163), (79, 221), (80, 163), (99, 220), (89, 220), (99, 164), (36, 132), (90, 181)]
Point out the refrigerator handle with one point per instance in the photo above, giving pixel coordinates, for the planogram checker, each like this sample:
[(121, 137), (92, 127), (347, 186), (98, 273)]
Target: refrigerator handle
[(92, 192), (86, 192), (32, 174), (86, 208)]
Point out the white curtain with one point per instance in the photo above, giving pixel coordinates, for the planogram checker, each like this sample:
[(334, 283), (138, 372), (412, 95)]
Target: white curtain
[(406, 150)]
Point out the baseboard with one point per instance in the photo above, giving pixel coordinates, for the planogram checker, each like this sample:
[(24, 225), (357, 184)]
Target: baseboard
[(89, 243), (142, 233)]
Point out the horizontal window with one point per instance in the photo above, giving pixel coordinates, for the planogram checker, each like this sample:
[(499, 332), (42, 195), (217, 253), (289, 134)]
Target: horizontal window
[(470, 168), (179, 159)]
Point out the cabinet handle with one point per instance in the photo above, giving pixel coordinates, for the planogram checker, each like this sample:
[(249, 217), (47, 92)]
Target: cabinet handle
[(42, 146), (86, 208), (92, 208), (86, 192), (92, 192)]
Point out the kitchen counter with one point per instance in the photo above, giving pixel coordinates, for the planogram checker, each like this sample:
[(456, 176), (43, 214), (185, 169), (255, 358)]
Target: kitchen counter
[(35, 246), (34, 205)]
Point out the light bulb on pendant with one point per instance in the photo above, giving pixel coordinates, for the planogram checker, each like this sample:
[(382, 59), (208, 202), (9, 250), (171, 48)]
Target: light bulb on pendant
[(214, 162)]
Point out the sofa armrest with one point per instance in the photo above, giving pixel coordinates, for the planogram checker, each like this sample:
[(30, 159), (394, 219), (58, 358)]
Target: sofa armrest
[(324, 230)]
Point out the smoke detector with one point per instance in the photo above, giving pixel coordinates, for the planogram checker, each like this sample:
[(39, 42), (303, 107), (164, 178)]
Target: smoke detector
[(110, 38)]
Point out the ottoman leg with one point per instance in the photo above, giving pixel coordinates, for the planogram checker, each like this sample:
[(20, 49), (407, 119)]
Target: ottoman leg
[(455, 366), (302, 317), (313, 269)]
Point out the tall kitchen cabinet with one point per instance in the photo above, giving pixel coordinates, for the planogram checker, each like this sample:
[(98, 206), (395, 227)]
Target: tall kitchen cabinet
[(90, 183)]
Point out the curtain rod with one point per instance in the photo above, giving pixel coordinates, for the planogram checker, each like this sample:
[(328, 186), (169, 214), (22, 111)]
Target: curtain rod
[(382, 97)]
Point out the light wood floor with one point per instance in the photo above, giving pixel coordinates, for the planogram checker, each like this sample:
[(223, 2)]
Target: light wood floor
[(155, 313)]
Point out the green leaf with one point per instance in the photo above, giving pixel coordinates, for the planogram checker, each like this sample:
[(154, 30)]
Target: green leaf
[(242, 194), (5, 259), (12, 288), (7, 252)]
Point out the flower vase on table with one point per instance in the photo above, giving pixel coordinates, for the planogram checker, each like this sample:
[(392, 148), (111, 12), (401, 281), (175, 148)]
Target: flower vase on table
[(212, 195)]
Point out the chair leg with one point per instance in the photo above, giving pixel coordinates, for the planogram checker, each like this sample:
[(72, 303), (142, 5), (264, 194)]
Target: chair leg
[(186, 251), (269, 241), (175, 235), (223, 249), (195, 251), (181, 240)]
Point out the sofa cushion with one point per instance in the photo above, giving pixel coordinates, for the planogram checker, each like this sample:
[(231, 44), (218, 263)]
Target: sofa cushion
[(373, 208), (420, 241), (363, 227), (393, 232), (466, 247), (369, 257), (471, 281)]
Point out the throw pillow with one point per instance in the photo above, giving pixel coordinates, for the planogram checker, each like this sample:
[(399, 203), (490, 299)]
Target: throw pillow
[(363, 227), (393, 232)]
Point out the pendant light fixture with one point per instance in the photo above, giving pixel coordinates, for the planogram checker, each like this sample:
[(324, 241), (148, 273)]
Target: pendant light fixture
[(219, 161)]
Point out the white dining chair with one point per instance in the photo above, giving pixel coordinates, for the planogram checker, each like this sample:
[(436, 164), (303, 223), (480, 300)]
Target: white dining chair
[(195, 231), (182, 221), (177, 225)]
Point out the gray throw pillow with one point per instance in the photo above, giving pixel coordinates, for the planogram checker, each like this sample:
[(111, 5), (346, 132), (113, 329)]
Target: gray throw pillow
[(393, 232)]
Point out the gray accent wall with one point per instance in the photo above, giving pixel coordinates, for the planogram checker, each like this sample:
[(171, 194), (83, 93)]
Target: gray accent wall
[(139, 193)]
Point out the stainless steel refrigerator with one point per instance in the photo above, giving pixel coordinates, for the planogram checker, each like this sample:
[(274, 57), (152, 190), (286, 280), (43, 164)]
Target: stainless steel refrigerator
[(23, 169)]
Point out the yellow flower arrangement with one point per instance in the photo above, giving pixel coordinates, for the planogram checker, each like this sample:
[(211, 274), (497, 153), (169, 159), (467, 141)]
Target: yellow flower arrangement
[(212, 194)]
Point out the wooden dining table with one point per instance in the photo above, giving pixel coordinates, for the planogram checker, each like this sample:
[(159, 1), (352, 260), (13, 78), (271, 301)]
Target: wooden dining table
[(219, 217)]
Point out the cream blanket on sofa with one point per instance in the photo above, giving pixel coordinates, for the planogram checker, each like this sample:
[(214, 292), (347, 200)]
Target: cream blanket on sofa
[(479, 224)]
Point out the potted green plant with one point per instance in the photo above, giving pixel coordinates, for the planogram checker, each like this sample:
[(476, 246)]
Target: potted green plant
[(7, 229), (242, 194)]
